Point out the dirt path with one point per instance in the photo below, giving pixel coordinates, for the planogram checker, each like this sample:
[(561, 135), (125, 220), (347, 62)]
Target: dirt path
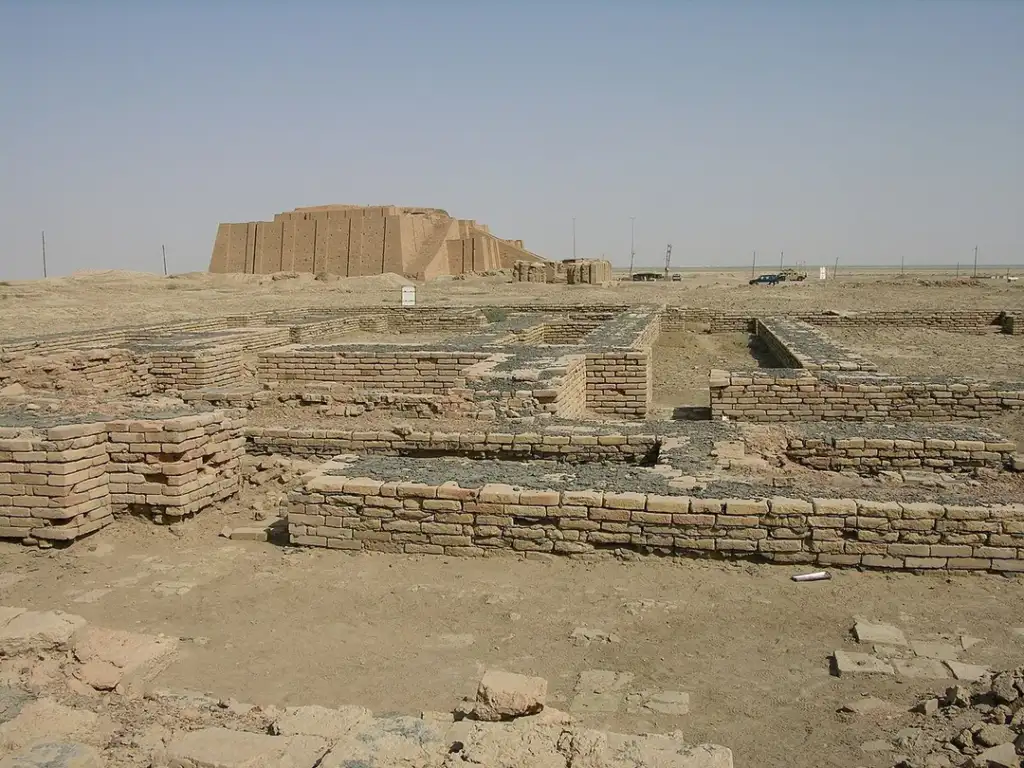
[(284, 626)]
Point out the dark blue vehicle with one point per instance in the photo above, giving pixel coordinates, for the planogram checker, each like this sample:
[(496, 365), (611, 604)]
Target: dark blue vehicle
[(766, 280)]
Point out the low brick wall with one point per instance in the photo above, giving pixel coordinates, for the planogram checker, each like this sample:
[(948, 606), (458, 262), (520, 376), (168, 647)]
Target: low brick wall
[(63, 482), (1013, 325), (175, 467), (111, 371), (571, 331), (340, 512), (620, 382), (429, 372), (772, 395), (872, 455), (572, 449), (718, 321), (796, 344)]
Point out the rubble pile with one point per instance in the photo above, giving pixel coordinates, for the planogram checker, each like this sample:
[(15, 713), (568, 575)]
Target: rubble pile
[(968, 727), (77, 696)]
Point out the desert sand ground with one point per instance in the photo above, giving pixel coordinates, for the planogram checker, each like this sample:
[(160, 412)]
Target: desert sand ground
[(277, 625)]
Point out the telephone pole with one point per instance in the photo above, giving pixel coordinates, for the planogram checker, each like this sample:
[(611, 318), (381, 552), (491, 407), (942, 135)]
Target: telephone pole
[(44, 253), (574, 238), (975, 261), (163, 252)]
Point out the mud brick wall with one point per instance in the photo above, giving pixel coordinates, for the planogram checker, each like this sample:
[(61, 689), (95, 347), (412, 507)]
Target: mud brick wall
[(796, 344), (365, 514), (572, 449), (175, 467), (53, 482), (1013, 324), (424, 372), (195, 369), (619, 383), (717, 321), (114, 371), (99, 338), (572, 331), (772, 395), (529, 272), (870, 455)]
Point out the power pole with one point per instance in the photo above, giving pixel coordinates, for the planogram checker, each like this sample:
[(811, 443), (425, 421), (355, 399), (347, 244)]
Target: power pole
[(753, 266), (163, 252), (574, 238), (835, 269), (782, 259), (632, 244), (975, 261), (668, 259), (44, 254), (901, 263)]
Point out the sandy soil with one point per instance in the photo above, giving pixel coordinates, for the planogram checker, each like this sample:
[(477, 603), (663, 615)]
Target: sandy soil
[(271, 625), (47, 306), (682, 360), (283, 626), (931, 352)]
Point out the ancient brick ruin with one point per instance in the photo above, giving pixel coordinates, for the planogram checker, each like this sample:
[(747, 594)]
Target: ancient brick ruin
[(356, 240), (556, 449)]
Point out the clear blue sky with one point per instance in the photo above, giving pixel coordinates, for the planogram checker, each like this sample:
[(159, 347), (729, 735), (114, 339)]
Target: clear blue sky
[(860, 129)]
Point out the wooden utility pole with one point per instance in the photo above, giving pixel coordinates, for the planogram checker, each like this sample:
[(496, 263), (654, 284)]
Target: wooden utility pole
[(44, 254), (163, 252), (753, 267), (975, 261)]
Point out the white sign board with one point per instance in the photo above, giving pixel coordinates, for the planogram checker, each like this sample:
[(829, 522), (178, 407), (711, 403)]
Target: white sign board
[(822, 273), (409, 296)]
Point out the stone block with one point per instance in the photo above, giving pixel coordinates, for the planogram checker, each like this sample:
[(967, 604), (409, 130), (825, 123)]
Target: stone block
[(920, 668), (224, 748), (38, 631), (503, 695), (846, 663), (61, 754), (113, 659), (878, 634), (326, 723)]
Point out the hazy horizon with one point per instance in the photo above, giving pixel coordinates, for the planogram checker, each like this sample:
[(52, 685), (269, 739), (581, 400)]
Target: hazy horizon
[(864, 131)]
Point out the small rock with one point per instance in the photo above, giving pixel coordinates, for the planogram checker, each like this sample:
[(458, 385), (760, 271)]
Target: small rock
[(12, 390), (1002, 756), (926, 707), (967, 642), (994, 735), (957, 696), (505, 695), (1003, 688), (907, 738), (37, 631), (320, 721)]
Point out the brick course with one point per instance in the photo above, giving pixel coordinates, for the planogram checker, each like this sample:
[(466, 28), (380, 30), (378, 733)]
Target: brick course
[(347, 513)]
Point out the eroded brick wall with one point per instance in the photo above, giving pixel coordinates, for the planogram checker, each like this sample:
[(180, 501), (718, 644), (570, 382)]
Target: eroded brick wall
[(770, 395), (365, 514), (870, 455)]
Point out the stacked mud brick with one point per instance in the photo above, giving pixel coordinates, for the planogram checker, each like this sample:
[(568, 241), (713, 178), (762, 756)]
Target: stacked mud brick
[(573, 449), (366, 514), (383, 369), (796, 344), (566, 332), (772, 395), (870, 455), (175, 467), (1013, 324), (588, 272), (554, 388), (53, 482), (114, 371), (195, 368), (619, 381)]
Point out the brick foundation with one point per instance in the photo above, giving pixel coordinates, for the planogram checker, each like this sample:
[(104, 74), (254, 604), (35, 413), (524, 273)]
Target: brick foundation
[(364, 514), (868, 455)]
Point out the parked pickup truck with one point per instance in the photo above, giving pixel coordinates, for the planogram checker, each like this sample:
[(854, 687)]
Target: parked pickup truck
[(766, 280)]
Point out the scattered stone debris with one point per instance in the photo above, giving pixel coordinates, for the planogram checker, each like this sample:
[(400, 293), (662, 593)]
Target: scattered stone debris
[(109, 722)]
